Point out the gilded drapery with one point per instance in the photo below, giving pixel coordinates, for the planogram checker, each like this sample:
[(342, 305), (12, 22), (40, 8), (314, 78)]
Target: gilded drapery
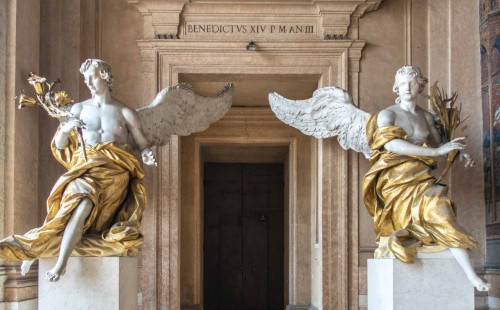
[(408, 208), (112, 180)]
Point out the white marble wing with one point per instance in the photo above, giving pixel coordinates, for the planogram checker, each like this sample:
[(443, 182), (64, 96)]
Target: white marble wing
[(329, 113), (178, 110)]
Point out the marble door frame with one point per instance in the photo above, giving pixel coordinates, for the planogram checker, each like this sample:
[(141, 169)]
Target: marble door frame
[(334, 203)]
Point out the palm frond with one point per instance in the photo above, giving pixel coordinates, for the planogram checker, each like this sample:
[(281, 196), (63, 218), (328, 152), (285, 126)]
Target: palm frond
[(448, 120)]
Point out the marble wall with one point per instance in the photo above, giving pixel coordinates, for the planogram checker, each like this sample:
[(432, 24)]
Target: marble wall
[(439, 36)]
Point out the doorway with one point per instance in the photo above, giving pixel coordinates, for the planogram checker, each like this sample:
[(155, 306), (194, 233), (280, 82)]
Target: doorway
[(243, 246)]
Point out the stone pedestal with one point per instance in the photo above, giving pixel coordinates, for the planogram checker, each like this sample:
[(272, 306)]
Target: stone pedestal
[(90, 283), (434, 281)]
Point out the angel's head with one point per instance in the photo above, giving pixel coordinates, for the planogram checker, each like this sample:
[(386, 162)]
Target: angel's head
[(95, 71), (409, 76)]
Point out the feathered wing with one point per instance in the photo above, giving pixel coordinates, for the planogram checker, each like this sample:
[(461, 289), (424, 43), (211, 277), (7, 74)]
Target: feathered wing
[(329, 113), (178, 110)]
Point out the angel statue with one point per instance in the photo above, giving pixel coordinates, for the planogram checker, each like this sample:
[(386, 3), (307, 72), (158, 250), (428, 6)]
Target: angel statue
[(95, 208), (410, 209)]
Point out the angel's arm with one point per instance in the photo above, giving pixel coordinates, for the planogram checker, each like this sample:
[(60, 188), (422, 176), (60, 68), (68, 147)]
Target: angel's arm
[(135, 128), (61, 139), (436, 140), (403, 147)]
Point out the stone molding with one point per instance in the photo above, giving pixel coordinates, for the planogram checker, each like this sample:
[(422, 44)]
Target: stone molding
[(171, 58), (16, 287), (302, 19), (337, 62), (237, 118), (192, 307), (289, 307), (161, 19), (299, 307)]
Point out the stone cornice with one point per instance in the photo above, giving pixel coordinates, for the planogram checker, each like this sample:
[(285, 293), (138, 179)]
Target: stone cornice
[(304, 46), (320, 19), (161, 18)]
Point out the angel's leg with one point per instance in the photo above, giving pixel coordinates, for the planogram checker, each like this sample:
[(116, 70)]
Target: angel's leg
[(463, 260), (72, 234), (26, 266)]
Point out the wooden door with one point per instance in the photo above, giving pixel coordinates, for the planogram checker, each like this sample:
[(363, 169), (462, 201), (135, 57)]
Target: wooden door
[(243, 236)]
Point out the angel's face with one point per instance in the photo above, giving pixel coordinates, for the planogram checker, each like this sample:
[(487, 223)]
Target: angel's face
[(407, 87), (94, 81)]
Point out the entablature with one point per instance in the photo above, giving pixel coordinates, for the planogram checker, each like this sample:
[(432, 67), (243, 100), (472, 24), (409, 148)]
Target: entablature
[(253, 20)]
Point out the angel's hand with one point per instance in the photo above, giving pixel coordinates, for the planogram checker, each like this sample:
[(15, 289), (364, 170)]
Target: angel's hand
[(71, 125), (469, 161), (455, 144), (148, 157)]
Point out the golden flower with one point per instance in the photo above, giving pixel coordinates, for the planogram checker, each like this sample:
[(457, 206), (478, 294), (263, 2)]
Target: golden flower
[(26, 101), (38, 83), (61, 99)]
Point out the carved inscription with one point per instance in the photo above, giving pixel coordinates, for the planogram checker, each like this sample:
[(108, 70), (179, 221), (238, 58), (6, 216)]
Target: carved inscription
[(235, 29)]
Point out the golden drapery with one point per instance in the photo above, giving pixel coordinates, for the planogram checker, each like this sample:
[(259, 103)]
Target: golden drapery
[(408, 208), (112, 180)]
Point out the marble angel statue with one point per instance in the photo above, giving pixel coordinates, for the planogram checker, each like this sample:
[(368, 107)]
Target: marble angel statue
[(96, 207), (401, 142)]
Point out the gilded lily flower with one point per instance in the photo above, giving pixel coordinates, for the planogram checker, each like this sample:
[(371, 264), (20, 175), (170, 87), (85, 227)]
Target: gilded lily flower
[(62, 99), (26, 101), (37, 82)]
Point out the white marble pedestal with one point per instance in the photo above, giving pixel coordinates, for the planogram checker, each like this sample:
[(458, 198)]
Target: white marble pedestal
[(434, 281), (90, 283)]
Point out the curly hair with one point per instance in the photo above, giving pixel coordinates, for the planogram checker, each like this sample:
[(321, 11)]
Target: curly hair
[(412, 71), (103, 68)]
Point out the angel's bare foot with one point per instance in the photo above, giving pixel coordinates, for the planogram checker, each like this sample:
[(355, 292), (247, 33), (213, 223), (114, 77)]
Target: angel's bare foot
[(480, 285), (463, 260), (72, 234), (26, 266), (55, 273)]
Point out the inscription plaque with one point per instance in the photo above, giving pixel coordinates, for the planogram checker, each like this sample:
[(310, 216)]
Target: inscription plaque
[(192, 29)]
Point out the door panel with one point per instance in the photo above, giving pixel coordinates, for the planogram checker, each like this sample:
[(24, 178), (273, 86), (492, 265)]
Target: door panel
[(243, 236), (222, 275)]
